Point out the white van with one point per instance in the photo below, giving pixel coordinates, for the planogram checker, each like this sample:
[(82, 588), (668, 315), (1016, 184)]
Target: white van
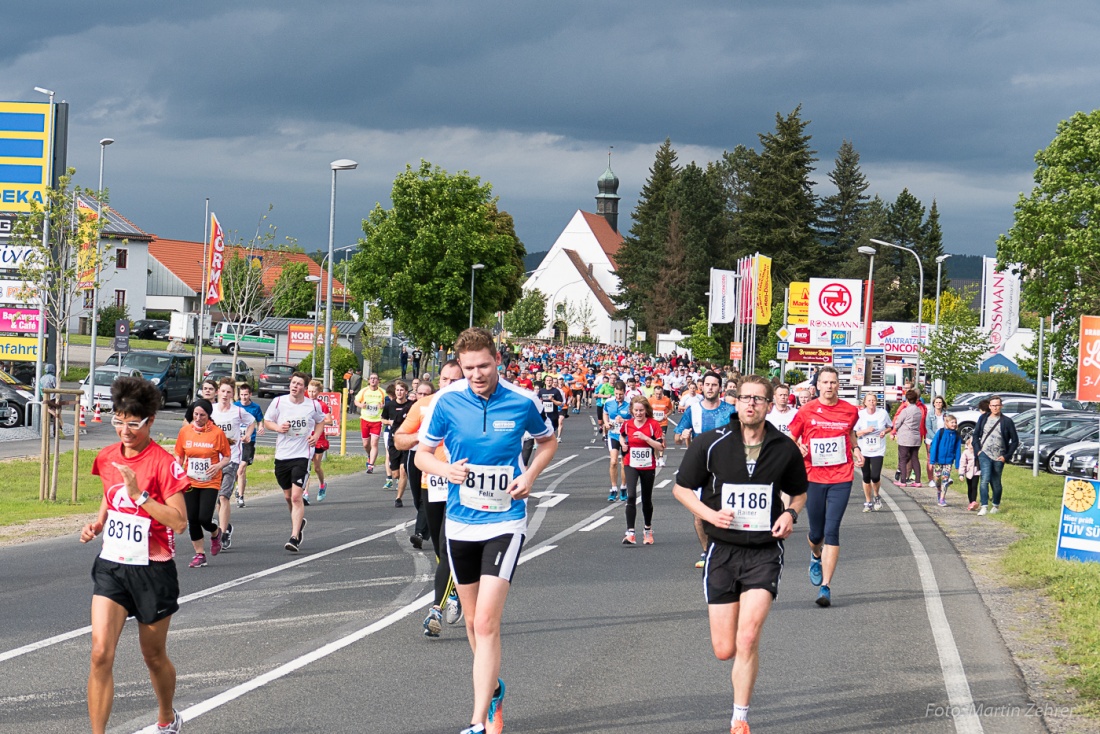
[(252, 338)]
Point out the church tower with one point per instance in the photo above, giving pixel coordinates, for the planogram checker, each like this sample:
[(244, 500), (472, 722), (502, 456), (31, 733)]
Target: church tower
[(607, 201)]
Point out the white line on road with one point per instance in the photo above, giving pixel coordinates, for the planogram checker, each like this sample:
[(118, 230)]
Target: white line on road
[(954, 677), (593, 526), (556, 464), (8, 655), (664, 484)]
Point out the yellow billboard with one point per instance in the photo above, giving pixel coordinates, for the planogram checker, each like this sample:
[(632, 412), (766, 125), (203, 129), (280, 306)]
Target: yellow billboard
[(763, 278), (798, 303), (26, 154), (19, 348)]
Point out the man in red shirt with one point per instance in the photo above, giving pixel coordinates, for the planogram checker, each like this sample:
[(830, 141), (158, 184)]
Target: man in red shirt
[(824, 430)]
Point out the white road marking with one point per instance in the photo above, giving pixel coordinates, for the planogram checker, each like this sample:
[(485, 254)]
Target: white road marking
[(564, 461), (603, 520), (954, 677), (9, 654), (664, 484)]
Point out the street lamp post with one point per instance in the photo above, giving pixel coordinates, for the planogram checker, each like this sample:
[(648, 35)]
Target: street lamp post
[(473, 276), (920, 297), (95, 285), (939, 272), (316, 310), (867, 300), (343, 164)]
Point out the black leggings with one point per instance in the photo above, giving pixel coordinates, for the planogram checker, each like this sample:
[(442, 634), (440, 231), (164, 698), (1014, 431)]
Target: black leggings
[(528, 448), (437, 513), (420, 496), (972, 488), (200, 511), (632, 476), (872, 469)]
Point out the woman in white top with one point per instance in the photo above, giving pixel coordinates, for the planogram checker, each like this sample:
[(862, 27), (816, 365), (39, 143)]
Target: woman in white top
[(871, 429), (932, 423)]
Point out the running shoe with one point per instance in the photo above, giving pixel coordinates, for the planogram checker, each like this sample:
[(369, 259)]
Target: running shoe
[(370, 468), (305, 498), (897, 476), (994, 509), (868, 506), (398, 503), (494, 723), (942, 502), (914, 484), (479, 729), (198, 561), (629, 539), (293, 544), (816, 576), (216, 543), (388, 484), (452, 609), (972, 506), (824, 597), (175, 727), (321, 492), (613, 495), (878, 503), (647, 534), (660, 461), (240, 501), (983, 510), (433, 622), (702, 562), (932, 484), (622, 493), (417, 541), (227, 537), (740, 727)]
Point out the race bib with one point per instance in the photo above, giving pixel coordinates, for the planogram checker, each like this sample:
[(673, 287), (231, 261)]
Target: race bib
[(641, 458), (228, 430), (436, 486), (658, 415), (126, 539), (872, 441), (828, 451), (486, 488), (199, 468), (372, 410), (298, 427), (751, 505), (547, 406)]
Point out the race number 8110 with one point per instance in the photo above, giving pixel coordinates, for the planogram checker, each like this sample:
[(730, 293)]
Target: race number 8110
[(491, 481)]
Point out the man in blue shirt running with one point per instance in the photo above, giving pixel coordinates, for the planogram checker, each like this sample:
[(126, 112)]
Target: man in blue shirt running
[(248, 449), (481, 422)]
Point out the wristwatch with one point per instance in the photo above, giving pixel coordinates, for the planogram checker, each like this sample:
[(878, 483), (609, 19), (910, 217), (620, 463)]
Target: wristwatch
[(142, 499), (794, 514)]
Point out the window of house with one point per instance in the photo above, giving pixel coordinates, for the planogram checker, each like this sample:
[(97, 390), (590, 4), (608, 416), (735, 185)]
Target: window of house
[(121, 257), (88, 298), (120, 298)]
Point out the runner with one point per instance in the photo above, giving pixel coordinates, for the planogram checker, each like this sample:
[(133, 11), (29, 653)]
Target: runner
[(238, 425), (641, 438), (782, 413), (615, 411), (662, 408), (248, 450), (203, 451), (298, 422), (393, 415), (871, 430), (700, 416), (486, 511), (567, 396), (604, 391), (313, 390), (553, 403), (404, 440), (824, 431), (209, 389), (134, 575), (370, 401), (743, 468)]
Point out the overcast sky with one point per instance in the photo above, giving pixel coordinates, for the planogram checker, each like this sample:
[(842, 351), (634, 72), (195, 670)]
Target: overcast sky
[(247, 102)]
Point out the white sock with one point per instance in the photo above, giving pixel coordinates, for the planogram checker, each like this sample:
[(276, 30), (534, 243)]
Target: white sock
[(740, 713)]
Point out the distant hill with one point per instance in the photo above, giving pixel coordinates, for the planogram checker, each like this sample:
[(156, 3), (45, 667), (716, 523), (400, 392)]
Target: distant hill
[(533, 259)]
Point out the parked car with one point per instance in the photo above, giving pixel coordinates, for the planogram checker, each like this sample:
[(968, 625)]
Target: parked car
[(104, 378), (1048, 444), (1054, 422), (251, 337), (1077, 459), (220, 368), (172, 372), (18, 395), (275, 379), (23, 372), (161, 334), (1011, 405), (147, 328)]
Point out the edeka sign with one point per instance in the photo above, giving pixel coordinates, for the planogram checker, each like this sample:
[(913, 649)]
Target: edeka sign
[(20, 320), (26, 154), (898, 337), (1079, 528), (19, 348), (835, 303), (1088, 360), (810, 355)]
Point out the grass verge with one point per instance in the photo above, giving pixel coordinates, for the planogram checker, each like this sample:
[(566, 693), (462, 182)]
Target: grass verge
[(1033, 506)]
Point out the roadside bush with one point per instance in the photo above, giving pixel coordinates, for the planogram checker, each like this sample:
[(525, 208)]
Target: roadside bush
[(341, 359), (108, 315), (793, 377)]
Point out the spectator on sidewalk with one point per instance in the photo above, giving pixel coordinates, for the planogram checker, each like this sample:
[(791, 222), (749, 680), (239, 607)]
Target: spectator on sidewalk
[(908, 426), (995, 438)]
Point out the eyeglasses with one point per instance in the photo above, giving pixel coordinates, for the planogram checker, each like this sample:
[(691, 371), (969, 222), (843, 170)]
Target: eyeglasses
[(132, 425), (754, 399)]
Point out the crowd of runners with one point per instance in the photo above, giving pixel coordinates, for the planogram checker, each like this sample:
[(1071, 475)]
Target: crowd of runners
[(469, 448)]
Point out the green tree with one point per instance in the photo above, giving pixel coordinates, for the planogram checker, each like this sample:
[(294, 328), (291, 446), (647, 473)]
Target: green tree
[(528, 316), (955, 308), (953, 351), (415, 258), (695, 199), (1055, 238), (294, 296), (703, 346), (840, 213)]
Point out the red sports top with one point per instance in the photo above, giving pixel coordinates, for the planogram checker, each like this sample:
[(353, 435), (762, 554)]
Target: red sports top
[(633, 435), (815, 420), (157, 473)]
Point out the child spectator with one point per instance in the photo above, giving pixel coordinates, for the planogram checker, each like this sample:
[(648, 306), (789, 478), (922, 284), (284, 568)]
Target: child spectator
[(968, 468), (943, 454)]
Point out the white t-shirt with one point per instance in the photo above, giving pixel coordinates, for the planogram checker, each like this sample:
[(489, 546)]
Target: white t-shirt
[(872, 444), (233, 422), (686, 401), (303, 418), (782, 421)]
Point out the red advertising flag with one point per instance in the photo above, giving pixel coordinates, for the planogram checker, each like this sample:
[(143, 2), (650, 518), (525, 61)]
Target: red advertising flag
[(736, 351), (1088, 360), (213, 280)]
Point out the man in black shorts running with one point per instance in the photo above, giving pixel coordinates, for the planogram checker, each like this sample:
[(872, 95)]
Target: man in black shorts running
[(299, 422), (743, 468)]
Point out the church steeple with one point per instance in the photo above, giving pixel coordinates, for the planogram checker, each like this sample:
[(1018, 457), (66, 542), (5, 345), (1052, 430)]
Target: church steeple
[(607, 201)]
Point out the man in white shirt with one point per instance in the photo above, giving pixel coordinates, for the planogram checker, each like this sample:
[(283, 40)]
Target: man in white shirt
[(782, 413), (237, 425)]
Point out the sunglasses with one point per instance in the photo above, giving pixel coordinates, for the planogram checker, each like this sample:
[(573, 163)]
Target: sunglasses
[(132, 425)]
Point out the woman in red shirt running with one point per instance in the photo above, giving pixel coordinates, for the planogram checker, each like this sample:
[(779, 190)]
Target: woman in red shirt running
[(641, 438)]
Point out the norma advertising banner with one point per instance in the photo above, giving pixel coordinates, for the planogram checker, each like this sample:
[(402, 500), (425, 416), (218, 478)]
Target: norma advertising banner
[(87, 232), (810, 355), (19, 348), (723, 301), (835, 303), (798, 303), (762, 274), (300, 336), (898, 337), (26, 154), (1079, 529), (1088, 360), (213, 286), (19, 320), (1000, 304), (332, 400)]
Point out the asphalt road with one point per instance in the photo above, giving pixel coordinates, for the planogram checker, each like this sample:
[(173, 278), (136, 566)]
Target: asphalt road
[(598, 637)]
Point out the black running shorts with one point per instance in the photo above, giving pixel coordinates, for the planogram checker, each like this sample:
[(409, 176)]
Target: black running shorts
[(470, 559), (731, 570), (395, 458), (248, 453), (289, 472), (147, 593)]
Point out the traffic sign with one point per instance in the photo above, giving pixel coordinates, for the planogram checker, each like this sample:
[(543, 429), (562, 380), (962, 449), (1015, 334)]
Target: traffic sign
[(782, 349), (784, 333)]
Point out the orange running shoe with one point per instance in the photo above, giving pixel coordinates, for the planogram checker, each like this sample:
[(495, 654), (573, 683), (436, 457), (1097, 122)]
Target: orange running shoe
[(494, 724), (648, 537), (740, 727)]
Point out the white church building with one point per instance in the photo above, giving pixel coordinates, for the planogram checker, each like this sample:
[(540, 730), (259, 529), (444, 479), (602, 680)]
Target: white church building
[(577, 275)]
